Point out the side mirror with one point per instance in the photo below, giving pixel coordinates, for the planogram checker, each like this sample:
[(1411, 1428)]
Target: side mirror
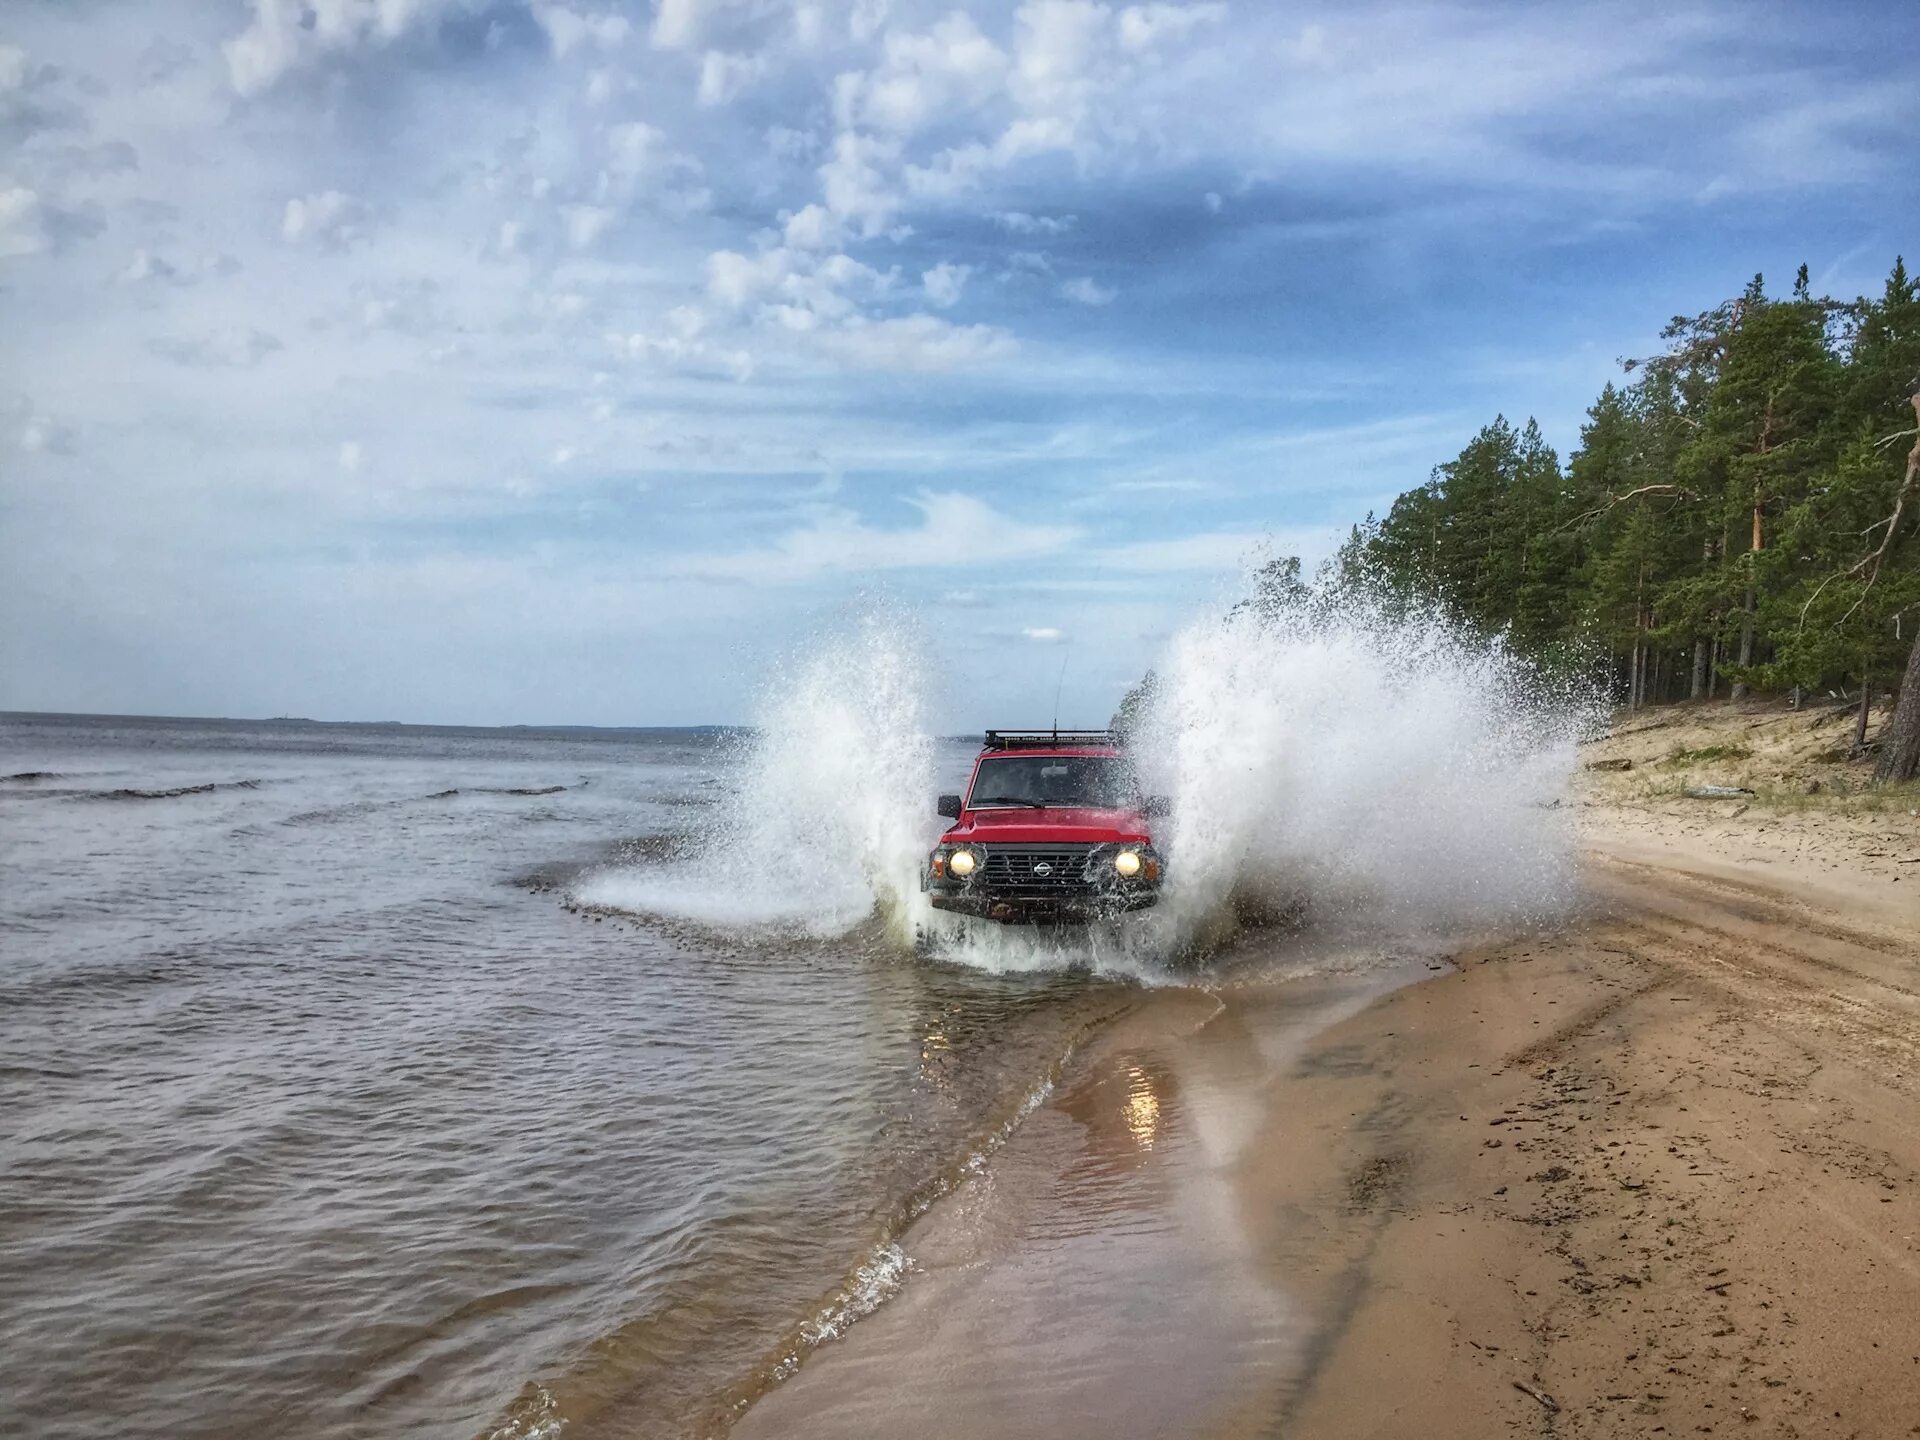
[(1156, 806), (949, 807)]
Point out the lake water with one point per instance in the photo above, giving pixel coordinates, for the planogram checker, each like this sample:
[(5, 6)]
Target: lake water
[(323, 1112)]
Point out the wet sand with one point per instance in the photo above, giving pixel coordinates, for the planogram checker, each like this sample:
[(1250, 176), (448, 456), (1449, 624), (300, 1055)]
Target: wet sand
[(1652, 1173)]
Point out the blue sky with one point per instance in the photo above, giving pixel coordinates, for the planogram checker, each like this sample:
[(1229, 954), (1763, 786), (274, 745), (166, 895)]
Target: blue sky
[(493, 361)]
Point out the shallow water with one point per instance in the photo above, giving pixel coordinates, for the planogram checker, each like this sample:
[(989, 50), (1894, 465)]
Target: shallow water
[(372, 1080), (325, 1114)]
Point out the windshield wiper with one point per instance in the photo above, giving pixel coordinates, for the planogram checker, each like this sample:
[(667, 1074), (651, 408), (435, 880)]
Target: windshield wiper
[(976, 803)]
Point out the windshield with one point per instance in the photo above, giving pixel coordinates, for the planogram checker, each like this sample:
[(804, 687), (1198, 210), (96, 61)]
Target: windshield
[(1102, 782)]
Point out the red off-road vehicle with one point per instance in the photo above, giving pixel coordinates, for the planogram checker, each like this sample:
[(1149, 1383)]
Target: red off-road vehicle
[(1052, 827)]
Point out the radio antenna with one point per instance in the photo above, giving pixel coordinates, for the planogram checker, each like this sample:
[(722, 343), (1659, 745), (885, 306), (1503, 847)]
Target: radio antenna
[(1060, 685)]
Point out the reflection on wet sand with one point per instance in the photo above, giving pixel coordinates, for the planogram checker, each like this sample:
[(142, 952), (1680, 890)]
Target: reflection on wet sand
[(1102, 1271)]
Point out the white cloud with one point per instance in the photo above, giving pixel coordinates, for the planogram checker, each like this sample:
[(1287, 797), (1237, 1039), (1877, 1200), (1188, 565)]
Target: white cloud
[(146, 267), (38, 433), (952, 68), (923, 344), (723, 77), (634, 148), (585, 224), (351, 457), (854, 183), (956, 531), (1018, 222), (1085, 290), (944, 282), (812, 228), (329, 219), (1144, 26), (683, 24), (736, 280), (23, 225), (13, 69), (1043, 634), (284, 35), (569, 30), (1058, 48)]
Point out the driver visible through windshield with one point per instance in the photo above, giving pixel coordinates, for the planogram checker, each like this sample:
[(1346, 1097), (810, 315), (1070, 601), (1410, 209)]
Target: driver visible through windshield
[(1043, 782)]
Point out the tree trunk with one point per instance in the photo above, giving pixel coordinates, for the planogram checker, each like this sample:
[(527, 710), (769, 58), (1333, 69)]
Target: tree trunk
[(1753, 582), (1900, 739), (1860, 717), (1745, 656), (1697, 687)]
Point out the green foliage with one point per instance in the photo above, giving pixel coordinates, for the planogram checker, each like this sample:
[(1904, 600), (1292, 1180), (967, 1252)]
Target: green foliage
[(1718, 516)]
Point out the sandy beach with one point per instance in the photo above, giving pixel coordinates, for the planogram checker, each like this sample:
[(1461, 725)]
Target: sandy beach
[(1651, 1172)]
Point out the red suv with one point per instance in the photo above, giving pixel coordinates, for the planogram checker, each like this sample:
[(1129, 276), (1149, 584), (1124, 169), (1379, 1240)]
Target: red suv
[(1052, 827)]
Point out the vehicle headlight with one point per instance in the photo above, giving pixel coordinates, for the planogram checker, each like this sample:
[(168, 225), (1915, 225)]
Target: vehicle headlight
[(1127, 864), (962, 863)]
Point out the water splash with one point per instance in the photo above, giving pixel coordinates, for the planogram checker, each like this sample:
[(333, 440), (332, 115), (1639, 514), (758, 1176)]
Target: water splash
[(1340, 758), (828, 817), (1334, 760)]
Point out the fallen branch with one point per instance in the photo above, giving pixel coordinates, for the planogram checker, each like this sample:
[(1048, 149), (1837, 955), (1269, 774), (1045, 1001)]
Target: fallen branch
[(1538, 1394)]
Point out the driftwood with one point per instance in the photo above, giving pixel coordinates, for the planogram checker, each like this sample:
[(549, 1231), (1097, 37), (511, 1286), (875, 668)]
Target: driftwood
[(1538, 1394)]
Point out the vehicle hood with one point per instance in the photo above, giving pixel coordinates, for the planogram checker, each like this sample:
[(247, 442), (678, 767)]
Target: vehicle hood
[(1062, 826)]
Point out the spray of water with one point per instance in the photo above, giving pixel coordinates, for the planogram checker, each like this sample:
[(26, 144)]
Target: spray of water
[(1338, 760), (1332, 761), (827, 817)]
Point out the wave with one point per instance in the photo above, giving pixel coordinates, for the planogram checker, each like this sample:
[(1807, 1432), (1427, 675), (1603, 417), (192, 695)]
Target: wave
[(171, 793), (327, 813)]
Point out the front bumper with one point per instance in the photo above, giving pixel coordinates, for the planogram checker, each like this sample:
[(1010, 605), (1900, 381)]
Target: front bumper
[(1023, 885)]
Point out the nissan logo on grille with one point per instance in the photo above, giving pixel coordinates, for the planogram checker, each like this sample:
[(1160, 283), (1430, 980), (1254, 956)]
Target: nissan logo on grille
[(1043, 868)]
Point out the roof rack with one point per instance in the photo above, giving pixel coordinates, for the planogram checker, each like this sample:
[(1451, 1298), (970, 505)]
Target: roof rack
[(1045, 739)]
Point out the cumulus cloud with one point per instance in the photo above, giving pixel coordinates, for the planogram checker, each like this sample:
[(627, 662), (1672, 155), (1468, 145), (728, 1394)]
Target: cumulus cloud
[(685, 24), (812, 228), (23, 223), (585, 224), (330, 219), (855, 183), (285, 35), (923, 77), (723, 77), (1018, 222), (568, 30), (1085, 290), (34, 431), (146, 267), (1144, 26), (944, 282)]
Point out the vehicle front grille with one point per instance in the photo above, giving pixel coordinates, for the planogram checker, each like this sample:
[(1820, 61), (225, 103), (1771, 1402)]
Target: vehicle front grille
[(1051, 871)]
